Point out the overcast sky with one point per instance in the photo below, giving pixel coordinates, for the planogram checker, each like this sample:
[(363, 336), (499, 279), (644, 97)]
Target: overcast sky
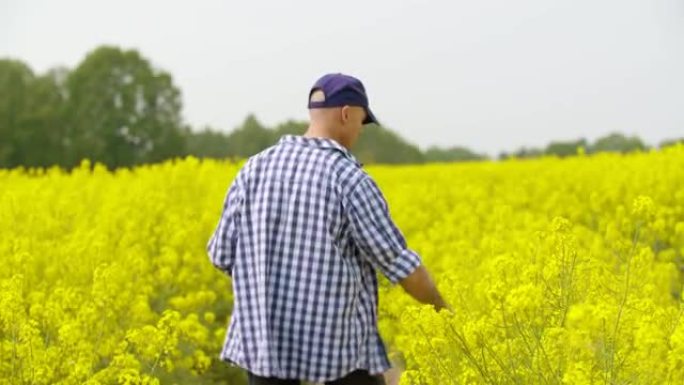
[(492, 75)]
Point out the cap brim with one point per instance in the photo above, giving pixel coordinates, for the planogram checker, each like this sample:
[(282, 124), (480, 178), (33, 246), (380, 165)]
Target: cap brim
[(370, 118)]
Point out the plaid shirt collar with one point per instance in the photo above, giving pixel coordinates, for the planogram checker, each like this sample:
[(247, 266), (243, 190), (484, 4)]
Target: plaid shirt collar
[(319, 142)]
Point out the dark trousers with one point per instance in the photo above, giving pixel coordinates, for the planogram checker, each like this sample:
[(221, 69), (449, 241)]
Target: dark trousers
[(357, 377)]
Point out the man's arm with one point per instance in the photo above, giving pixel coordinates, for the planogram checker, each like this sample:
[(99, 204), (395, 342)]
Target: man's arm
[(222, 244), (420, 286), (384, 246)]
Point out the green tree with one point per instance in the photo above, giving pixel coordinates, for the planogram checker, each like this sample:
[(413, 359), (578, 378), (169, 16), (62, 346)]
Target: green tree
[(563, 149), (249, 138), (209, 143), (16, 79), (290, 127), (670, 142), (380, 145), (31, 109), (451, 154), (616, 142), (44, 135), (522, 153), (122, 111)]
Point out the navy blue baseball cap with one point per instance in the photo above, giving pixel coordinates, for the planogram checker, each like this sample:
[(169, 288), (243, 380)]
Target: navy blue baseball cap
[(337, 90)]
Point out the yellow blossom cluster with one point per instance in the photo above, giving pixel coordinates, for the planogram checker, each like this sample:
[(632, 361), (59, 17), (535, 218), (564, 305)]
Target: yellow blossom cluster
[(559, 271), (105, 277)]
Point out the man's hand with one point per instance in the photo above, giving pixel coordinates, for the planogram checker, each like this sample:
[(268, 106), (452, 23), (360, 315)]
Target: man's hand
[(421, 287)]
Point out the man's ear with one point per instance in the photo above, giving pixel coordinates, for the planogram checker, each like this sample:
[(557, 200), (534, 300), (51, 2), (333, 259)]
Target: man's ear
[(344, 114)]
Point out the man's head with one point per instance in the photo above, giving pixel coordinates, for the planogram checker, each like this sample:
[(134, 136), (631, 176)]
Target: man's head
[(338, 107)]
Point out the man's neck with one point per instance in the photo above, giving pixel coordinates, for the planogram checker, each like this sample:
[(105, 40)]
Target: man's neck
[(318, 132)]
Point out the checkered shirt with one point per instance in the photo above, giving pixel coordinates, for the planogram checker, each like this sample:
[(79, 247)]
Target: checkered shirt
[(302, 233)]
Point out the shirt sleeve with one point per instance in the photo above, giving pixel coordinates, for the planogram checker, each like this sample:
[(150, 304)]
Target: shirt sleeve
[(222, 244), (374, 232)]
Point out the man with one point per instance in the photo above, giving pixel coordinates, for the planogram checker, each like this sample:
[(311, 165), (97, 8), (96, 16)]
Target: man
[(302, 233)]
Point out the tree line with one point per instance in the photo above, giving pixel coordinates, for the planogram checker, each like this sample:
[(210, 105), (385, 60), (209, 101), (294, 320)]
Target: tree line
[(115, 108)]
